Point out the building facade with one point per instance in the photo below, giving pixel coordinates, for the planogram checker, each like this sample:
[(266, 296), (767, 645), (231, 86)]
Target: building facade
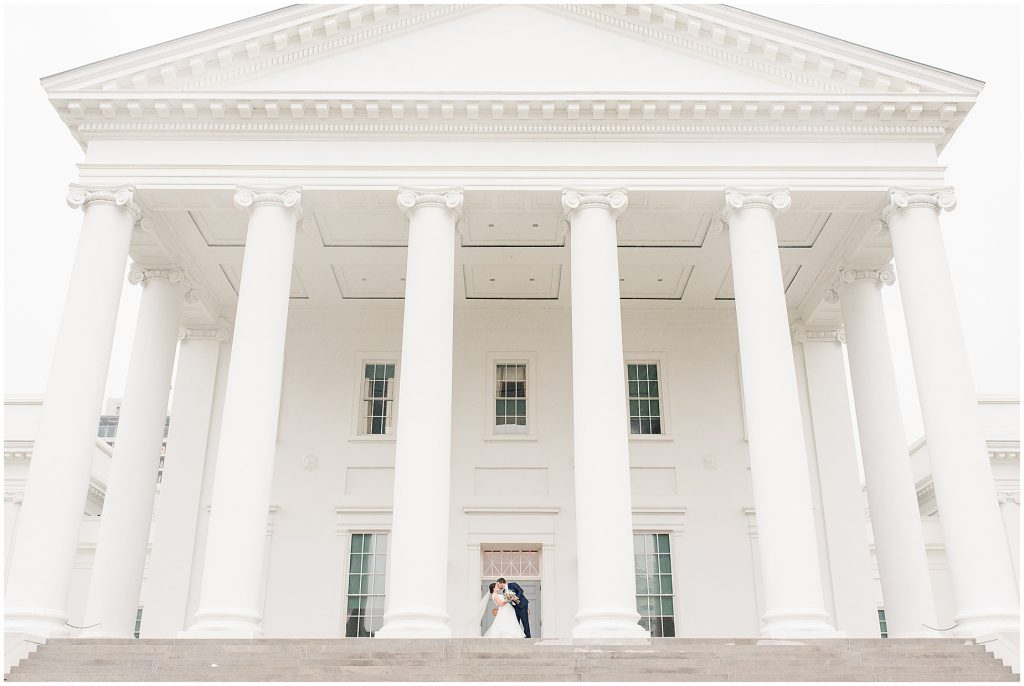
[(571, 311)]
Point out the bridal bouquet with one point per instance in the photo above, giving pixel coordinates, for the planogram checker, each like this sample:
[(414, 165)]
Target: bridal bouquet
[(511, 597)]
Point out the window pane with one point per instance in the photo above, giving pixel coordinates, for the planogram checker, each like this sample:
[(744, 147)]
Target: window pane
[(642, 372), (666, 564)]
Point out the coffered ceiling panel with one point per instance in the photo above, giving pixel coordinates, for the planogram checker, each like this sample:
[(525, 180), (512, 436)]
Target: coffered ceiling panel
[(800, 229), (652, 228), (338, 228), (221, 227), (512, 227), (370, 281), (232, 273), (653, 281), (512, 281), (726, 292)]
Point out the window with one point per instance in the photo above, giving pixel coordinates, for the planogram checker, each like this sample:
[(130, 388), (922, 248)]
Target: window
[(644, 398), (108, 426), (510, 397), (378, 397), (138, 622), (366, 577), (653, 566), (883, 628)]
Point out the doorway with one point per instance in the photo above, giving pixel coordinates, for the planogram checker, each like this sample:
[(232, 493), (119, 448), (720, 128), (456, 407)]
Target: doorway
[(520, 564)]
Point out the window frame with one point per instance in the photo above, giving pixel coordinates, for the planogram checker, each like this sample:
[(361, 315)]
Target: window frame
[(346, 574), (659, 359), (361, 360), (494, 358)]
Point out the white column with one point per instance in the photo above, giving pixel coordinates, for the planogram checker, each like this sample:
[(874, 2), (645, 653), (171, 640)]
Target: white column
[(892, 496), (841, 498), (177, 507), (229, 601), (419, 526), (979, 561), (794, 603), (606, 581), (58, 477), (123, 540)]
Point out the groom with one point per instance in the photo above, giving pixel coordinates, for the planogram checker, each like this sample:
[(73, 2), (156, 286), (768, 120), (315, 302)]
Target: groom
[(522, 606)]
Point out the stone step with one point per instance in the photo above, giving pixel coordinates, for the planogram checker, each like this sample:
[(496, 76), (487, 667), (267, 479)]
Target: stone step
[(486, 660)]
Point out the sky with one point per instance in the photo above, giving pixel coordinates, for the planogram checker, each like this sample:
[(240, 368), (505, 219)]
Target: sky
[(983, 160)]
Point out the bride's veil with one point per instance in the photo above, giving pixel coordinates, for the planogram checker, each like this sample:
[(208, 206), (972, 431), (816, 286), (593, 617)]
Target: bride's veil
[(472, 624)]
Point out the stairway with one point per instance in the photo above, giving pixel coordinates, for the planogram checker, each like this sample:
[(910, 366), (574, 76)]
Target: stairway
[(660, 659)]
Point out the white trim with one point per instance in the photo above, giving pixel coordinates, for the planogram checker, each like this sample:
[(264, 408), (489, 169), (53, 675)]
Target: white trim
[(660, 359), (480, 510), (362, 358), (494, 358)]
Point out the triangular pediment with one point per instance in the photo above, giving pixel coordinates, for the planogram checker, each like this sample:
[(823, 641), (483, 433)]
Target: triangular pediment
[(484, 70), (512, 48)]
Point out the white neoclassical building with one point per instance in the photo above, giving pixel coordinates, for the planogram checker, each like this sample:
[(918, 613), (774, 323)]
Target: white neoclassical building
[(558, 293)]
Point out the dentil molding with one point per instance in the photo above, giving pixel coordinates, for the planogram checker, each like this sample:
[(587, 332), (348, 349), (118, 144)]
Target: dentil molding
[(884, 276), (249, 197), (614, 200), (410, 199), (901, 198), (140, 274), (81, 196)]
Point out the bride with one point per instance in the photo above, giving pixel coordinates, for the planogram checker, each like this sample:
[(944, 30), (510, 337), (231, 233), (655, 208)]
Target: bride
[(505, 623)]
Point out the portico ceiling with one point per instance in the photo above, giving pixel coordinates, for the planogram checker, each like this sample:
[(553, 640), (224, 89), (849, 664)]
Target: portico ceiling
[(512, 247)]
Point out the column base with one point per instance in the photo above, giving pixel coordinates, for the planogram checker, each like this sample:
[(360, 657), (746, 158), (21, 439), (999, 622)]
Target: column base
[(36, 621), (415, 624), (609, 624), (798, 624), (224, 624), (984, 622)]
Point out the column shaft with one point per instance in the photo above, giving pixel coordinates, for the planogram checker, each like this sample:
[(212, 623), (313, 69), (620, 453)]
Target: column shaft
[(58, 478), (177, 507), (604, 532), (419, 526), (230, 597), (794, 604), (979, 561), (116, 580), (892, 497), (841, 498)]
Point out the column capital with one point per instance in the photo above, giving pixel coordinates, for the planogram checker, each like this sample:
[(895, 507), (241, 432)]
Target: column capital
[(883, 276), (614, 200), (818, 334), (141, 274), (901, 198), (204, 333), (287, 197), (450, 199), (122, 195), (773, 199)]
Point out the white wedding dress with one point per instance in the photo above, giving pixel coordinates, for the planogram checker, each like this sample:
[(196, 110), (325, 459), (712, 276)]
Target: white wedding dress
[(505, 624)]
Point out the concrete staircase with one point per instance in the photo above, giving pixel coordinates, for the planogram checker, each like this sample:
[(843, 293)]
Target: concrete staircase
[(660, 659)]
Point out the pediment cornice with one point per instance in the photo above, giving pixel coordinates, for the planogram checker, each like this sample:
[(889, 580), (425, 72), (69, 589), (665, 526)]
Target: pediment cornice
[(106, 115)]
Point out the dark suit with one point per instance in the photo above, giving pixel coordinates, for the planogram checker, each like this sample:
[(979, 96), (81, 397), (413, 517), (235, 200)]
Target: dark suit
[(522, 608)]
